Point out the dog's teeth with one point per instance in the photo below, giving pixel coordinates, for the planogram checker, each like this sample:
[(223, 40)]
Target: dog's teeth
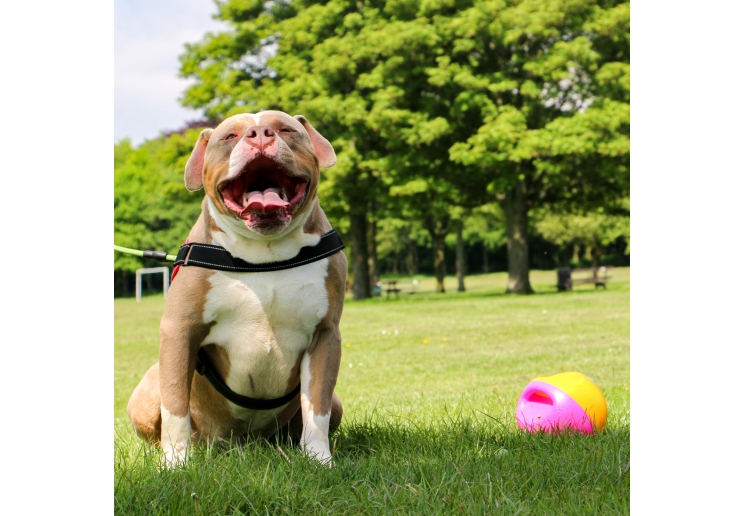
[(284, 195), (245, 198)]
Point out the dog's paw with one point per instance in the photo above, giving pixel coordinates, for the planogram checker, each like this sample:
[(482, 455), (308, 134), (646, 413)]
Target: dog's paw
[(320, 453), (174, 458), (175, 435)]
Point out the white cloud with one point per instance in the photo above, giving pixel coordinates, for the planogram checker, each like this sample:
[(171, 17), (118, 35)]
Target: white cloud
[(148, 38)]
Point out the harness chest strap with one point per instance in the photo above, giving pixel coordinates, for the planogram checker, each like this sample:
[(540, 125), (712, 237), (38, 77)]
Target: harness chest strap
[(205, 368)]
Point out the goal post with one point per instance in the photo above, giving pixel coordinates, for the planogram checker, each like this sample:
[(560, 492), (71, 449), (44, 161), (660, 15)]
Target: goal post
[(152, 270)]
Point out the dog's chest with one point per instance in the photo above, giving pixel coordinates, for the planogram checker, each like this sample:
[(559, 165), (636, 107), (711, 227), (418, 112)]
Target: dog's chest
[(264, 321)]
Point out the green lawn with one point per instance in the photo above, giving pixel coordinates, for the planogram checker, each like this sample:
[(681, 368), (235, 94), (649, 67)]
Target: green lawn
[(429, 384)]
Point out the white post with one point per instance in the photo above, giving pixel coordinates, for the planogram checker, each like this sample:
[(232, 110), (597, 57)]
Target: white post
[(152, 270), (166, 281), (138, 287)]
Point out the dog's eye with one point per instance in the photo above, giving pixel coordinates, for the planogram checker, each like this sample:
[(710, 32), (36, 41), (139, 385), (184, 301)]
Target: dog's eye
[(286, 130), (231, 136)]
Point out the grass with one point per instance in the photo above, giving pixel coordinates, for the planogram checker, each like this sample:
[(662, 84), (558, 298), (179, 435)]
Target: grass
[(429, 384)]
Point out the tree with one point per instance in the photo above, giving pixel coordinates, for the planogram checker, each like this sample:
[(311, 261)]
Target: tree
[(593, 231), (548, 83), (483, 226), (398, 240)]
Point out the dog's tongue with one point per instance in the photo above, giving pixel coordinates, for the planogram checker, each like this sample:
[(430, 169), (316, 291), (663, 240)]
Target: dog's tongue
[(268, 200)]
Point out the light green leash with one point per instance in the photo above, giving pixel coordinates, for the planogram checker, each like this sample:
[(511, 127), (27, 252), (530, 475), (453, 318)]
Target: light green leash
[(160, 256)]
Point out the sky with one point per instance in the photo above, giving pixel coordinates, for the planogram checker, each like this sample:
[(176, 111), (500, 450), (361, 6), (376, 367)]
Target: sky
[(149, 35)]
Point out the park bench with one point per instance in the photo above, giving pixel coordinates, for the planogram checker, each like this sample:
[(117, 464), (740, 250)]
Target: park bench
[(568, 277), (391, 287)]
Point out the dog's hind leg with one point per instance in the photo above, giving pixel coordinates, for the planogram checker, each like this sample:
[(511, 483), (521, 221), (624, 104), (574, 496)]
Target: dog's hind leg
[(144, 406)]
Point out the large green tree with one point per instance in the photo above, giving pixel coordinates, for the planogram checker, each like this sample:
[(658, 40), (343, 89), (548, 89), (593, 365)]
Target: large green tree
[(547, 84)]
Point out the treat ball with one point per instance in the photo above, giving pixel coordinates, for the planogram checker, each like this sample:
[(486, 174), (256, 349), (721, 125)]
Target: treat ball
[(561, 402)]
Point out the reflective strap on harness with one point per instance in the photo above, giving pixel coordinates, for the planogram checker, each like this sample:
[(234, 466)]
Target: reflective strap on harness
[(219, 258)]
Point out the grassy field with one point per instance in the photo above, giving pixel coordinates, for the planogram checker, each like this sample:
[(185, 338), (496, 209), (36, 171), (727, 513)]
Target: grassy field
[(429, 384)]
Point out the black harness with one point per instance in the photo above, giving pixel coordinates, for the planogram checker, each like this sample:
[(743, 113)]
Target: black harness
[(205, 368), (218, 258)]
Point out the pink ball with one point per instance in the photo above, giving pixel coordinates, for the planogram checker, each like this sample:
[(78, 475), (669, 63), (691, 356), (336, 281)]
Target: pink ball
[(560, 402)]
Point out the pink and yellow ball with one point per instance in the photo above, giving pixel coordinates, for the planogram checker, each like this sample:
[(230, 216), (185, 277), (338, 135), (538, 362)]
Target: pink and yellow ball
[(561, 402)]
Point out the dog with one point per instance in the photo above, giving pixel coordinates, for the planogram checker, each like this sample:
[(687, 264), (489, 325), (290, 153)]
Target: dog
[(264, 333)]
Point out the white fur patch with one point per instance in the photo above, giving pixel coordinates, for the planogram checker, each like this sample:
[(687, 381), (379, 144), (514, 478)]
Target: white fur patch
[(256, 117), (314, 440), (264, 321), (175, 433)]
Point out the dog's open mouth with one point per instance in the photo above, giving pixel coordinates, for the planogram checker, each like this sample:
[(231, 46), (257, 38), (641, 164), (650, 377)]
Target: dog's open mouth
[(264, 194)]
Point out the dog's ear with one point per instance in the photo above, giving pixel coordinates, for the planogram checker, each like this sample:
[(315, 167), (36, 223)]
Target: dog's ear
[(322, 147), (195, 165)]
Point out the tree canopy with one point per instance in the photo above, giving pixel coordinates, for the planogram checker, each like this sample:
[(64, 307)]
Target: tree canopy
[(152, 208)]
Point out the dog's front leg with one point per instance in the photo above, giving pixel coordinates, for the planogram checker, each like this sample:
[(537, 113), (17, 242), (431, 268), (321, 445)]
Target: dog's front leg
[(320, 366), (178, 349)]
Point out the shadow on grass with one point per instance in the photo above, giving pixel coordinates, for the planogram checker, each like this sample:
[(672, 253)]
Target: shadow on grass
[(386, 464)]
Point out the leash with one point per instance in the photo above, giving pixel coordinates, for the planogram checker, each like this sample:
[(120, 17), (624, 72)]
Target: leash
[(160, 256), (218, 258)]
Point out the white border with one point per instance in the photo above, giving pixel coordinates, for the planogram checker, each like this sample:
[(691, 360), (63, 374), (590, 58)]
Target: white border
[(57, 182), (686, 177)]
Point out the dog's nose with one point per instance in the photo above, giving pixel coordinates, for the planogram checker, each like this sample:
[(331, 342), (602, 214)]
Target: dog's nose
[(260, 136)]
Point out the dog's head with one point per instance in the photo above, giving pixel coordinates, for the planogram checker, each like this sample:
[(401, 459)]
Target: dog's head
[(260, 170)]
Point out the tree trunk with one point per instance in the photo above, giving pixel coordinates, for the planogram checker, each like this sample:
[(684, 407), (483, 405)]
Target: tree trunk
[(412, 260), (596, 253), (460, 262), (372, 263), (485, 259), (358, 229), (514, 204), (439, 268)]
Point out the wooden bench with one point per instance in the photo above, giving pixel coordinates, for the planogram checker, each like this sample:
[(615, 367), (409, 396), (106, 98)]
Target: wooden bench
[(567, 277), (391, 287)]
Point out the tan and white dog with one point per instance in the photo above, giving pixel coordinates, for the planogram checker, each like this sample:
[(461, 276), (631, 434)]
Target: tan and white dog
[(263, 332)]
